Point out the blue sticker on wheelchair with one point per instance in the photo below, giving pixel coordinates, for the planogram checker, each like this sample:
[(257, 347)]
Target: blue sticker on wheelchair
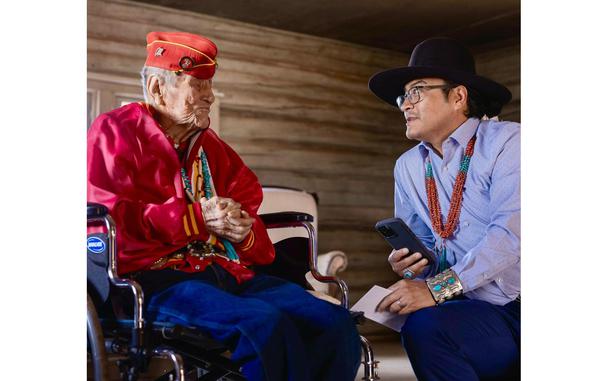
[(96, 245)]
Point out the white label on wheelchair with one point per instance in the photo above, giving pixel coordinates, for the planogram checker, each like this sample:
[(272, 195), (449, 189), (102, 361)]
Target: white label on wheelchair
[(96, 245)]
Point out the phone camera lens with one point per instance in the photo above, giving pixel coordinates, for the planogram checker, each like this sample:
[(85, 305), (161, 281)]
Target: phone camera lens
[(386, 231)]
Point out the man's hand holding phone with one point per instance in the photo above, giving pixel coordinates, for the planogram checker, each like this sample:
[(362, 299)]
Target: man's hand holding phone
[(406, 265)]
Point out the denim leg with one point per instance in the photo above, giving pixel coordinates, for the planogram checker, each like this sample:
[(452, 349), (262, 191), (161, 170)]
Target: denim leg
[(464, 340), (260, 336), (329, 332)]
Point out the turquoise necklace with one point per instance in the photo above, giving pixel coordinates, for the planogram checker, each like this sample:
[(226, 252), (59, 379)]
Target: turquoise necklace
[(207, 188)]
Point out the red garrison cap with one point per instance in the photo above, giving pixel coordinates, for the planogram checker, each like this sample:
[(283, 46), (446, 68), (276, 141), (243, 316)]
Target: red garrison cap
[(182, 52)]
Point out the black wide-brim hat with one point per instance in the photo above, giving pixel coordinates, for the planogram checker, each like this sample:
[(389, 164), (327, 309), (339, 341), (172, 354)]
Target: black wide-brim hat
[(437, 58)]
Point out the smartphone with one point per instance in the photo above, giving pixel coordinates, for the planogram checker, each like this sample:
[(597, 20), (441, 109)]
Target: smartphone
[(399, 236)]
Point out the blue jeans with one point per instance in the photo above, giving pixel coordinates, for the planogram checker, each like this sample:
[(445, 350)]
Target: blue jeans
[(464, 340), (274, 328)]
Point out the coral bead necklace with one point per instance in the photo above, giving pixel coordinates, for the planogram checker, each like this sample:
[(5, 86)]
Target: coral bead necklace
[(447, 229)]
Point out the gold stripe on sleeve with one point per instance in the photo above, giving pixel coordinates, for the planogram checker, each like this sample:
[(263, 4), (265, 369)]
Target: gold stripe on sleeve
[(193, 220), (186, 226), (249, 242)]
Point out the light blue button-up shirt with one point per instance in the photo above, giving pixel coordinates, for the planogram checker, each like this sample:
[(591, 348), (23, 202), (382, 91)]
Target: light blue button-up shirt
[(485, 249)]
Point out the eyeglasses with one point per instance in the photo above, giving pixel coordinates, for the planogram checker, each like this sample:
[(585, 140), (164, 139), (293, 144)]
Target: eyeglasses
[(414, 93)]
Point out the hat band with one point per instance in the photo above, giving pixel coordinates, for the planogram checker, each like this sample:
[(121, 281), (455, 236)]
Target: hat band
[(212, 62)]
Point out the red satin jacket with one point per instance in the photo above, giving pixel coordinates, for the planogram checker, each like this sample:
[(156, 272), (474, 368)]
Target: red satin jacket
[(134, 170)]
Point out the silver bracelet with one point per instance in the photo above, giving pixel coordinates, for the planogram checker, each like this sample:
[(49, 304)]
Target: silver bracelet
[(444, 286)]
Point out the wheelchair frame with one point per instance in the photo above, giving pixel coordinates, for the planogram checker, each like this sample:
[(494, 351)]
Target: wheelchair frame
[(138, 353)]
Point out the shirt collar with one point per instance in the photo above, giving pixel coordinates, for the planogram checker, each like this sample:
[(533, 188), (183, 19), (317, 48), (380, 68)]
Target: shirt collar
[(461, 135), (464, 132)]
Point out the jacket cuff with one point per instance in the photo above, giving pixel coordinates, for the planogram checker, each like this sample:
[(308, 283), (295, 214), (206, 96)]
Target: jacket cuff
[(193, 221), (247, 242)]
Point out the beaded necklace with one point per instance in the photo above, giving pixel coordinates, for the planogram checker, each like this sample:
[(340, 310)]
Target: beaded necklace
[(208, 193), (186, 181), (445, 231)]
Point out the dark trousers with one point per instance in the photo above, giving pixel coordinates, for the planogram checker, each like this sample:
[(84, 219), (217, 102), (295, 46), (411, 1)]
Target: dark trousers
[(275, 329), (464, 340)]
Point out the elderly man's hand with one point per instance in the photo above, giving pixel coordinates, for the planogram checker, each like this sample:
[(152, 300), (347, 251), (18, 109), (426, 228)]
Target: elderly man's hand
[(408, 296), (400, 260), (224, 218), (215, 211), (240, 224)]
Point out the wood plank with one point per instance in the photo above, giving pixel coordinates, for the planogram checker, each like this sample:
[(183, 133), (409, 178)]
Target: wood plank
[(325, 182), (272, 126), (264, 71), (262, 39)]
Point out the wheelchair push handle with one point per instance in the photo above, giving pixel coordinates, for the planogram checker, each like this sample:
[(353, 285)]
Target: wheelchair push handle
[(98, 212), (95, 211)]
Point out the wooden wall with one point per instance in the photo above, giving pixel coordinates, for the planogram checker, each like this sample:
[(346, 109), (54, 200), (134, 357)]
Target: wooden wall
[(503, 64), (297, 109)]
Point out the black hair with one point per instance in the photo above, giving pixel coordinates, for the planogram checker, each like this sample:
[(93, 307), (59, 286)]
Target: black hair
[(478, 105)]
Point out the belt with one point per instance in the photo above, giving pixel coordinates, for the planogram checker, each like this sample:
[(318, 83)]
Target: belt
[(196, 249)]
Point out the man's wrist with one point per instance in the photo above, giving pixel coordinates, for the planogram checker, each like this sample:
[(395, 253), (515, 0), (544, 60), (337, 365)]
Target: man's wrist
[(247, 242), (444, 286)]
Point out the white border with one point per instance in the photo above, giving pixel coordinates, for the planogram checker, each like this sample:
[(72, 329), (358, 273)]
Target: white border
[(43, 155), (565, 87)]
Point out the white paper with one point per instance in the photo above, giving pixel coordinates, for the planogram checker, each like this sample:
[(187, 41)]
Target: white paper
[(369, 302)]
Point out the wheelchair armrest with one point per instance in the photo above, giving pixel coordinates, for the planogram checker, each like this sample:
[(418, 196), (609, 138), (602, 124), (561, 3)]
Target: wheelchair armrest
[(298, 219), (281, 218), (95, 211)]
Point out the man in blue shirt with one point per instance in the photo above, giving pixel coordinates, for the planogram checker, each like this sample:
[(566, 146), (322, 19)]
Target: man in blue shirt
[(459, 191)]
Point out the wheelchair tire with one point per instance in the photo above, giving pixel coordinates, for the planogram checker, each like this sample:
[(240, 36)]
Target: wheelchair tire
[(95, 338)]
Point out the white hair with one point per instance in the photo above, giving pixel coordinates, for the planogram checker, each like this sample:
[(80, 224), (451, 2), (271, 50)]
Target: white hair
[(165, 77)]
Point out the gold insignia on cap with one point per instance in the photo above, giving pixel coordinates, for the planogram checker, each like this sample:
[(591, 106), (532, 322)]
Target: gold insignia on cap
[(186, 63)]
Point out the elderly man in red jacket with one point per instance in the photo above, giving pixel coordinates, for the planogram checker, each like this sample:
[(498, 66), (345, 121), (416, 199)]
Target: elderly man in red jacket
[(185, 206)]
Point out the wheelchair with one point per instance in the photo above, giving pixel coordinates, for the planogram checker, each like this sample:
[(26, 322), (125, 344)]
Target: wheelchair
[(119, 334)]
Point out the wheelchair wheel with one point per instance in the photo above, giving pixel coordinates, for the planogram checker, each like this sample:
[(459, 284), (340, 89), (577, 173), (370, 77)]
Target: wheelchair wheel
[(95, 343)]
